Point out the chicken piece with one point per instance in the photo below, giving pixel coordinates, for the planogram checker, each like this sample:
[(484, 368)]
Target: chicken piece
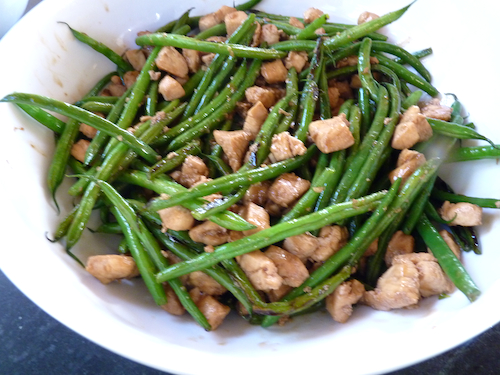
[(257, 193), (212, 19), (214, 311), (412, 128), (260, 270), (434, 109), (311, 14), (302, 245), (233, 20), (332, 134), (216, 39), (205, 283), (176, 218), (108, 268), (339, 303), (257, 216), (366, 17), (284, 146), (88, 130), (345, 90), (333, 96), (461, 213), (209, 233), (448, 238), (432, 279), (234, 144), (295, 22), (171, 61), (408, 162), (207, 59), (136, 58), (398, 287), (257, 94), (193, 170), (296, 60), (170, 89), (79, 149), (287, 188), (130, 77), (277, 294), (290, 267), (274, 71), (270, 34), (331, 239), (192, 58), (254, 119), (173, 305), (399, 244)]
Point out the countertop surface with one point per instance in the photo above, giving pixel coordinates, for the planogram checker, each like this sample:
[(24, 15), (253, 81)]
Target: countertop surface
[(32, 342)]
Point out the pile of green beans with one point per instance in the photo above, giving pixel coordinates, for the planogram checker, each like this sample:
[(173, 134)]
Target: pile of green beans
[(126, 175)]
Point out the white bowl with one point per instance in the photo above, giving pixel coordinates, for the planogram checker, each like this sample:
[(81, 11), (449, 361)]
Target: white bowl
[(10, 12), (45, 59)]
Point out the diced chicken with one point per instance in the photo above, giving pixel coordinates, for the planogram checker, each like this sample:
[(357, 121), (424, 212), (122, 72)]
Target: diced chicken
[(108, 268), (333, 96), (366, 17), (277, 294), (260, 270), (216, 39), (192, 171), (233, 20), (295, 22), (234, 144), (257, 216), (331, 239), (356, 82), (412, 128), (284, 146), (462, 213), (302, 245), (290, 267), (408, 162), (296, 60), (79, 149), (353, 61), (339, 303), (254, 119), (88, 130), (130, 77), (172, 61), (207, 59), (270, 34), (212, 19), (434, 109), (173, 305), (311, 14), (287, 188), (272, 208), (257, 193), (170, 89), (136, 58), (176, 218), (398, 287), (214, 311), (332, 134), (205, 283), (209, 233), (274, 71), (432, 279), (345, 90), (257, 94), (320, 31), (192, 58), (399, 244), (448, 238)]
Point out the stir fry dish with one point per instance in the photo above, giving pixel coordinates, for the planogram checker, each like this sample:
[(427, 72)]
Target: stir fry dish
[(268, 165)]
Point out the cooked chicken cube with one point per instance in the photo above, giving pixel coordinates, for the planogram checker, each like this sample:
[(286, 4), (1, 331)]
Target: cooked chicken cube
[(115, 87), (192, 58), (234, 144), (170, 88), (176, 218), (257, 193), (274, 71), (88, 130), (108, 268), (193, 170), (290, 267), (331, 239), (261, 271), (434, 109), (412, 128), (254, 119), (136, 58), (257, 94), (270, 34), (257, 216), (214, 311), (332, 134), (277, 294), (311, 14), (408, 162), (302, 245), (209, 233), (79, 149), (295, 22), (345, 90), (333, 96), (287, 188), (171, 61), (366, 17), (212, 19), (173, 305), (399, 244), (339, 303), (398, 287), (129, 78), (234, 20), (284, 146), (448, 238), (296, 60), (205, 283), (462, 213)]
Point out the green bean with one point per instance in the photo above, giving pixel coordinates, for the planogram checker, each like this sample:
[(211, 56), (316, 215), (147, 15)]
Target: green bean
[(247, 5), (354, 127), (309, 32), (335, 29), (456, 130), (108, 228), (285, 26), (456, 198), (417, 208), (43, 117), (336, 164), (467, 237), (294, 45), (176, 158), (412, 99), (218, 205), (292, 87), (447, 259), (418, 54), (152, 98), (97, 98), (364, 70), (324, 99), (473, 153), (216, 30), (104, 108), (219, 164), (364, 106)]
